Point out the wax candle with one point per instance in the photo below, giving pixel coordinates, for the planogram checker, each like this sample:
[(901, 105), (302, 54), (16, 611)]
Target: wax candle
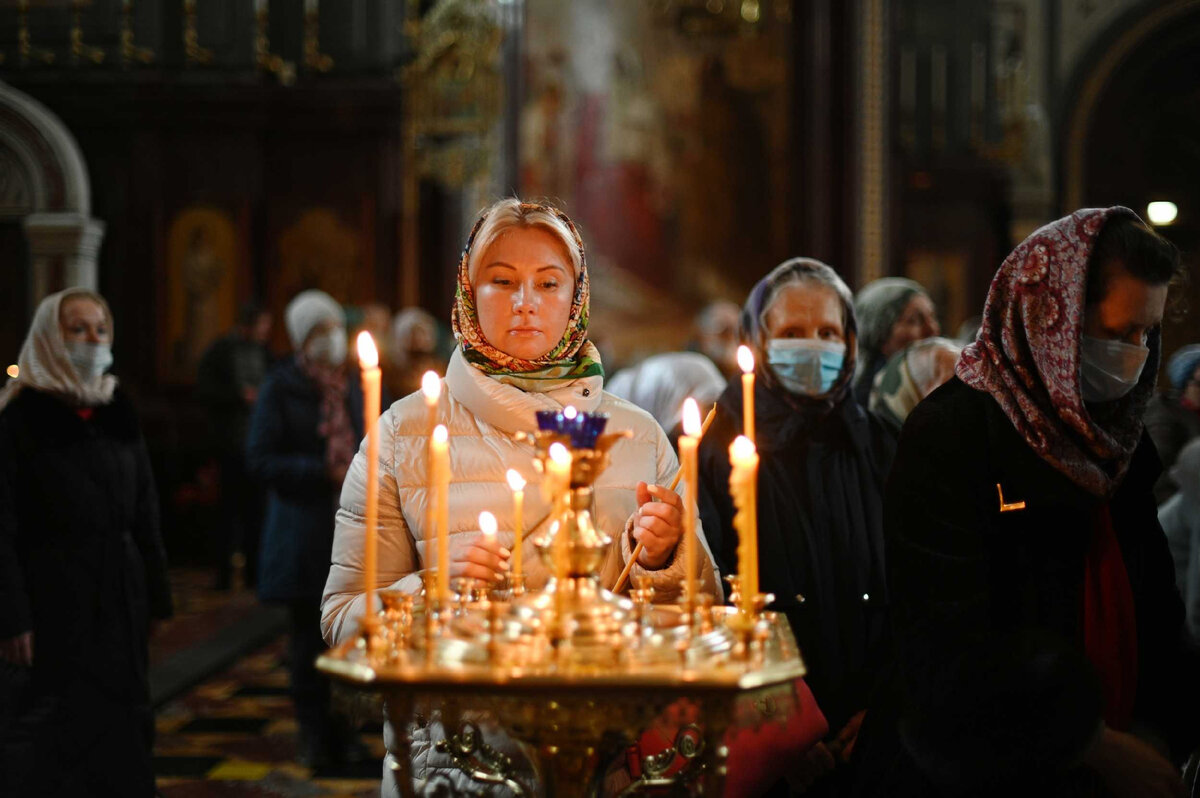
[(488, 526), (441, 469), (743, 487), (431, 389), (688, 444), (559, 472), (368, 359), (745, 359), (517, 484)]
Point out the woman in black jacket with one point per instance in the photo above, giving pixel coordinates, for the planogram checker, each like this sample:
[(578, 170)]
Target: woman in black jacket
[(303, 434), (82, 570), (1038, 627), (820, 493)]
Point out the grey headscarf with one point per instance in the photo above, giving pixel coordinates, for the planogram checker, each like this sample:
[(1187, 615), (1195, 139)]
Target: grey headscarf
[(878, 307)]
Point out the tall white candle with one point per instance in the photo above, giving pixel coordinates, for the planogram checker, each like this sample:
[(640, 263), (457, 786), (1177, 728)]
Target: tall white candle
[(745, 360), (441, 494), (368, 359), (688, 444), (743, 487), (517, 484)]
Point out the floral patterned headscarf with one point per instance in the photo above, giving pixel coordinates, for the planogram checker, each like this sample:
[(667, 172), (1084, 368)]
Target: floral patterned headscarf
[(1027, 355), (573, 357)]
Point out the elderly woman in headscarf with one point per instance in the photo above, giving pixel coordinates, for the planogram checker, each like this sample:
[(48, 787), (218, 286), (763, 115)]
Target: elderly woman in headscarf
[(660, 384), (1173, 416), (892, 313), (909, 376), (302, 436), (521, 319), (412, 350), (82, 569), (1039, 630), (820, 494)]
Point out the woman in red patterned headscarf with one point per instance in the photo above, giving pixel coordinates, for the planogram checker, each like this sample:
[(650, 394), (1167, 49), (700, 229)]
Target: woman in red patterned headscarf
[(1038, 627)]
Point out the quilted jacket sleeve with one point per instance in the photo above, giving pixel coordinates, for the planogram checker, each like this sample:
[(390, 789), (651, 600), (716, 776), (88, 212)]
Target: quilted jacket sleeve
[(343, 602)]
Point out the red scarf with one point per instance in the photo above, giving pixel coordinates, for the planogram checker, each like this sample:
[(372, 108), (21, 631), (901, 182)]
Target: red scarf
[(1110, 623), (1027, 356)]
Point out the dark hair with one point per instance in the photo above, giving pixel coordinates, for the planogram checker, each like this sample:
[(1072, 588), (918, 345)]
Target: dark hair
[(249, 312), (1144, 253)]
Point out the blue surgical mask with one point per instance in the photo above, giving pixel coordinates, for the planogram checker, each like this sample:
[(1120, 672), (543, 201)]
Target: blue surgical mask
[(806, 366), (1109, 369)]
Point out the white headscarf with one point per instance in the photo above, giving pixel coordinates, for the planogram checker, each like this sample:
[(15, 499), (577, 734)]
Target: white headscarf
[(44, 364), (660, 383)]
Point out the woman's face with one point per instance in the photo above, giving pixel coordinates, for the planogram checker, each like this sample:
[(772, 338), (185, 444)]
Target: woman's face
[(83, 320), (917, 322), (806, 310), (1130, 309), (523, 292)]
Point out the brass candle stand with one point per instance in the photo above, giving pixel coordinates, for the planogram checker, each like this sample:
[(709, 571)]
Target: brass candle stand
[(562, 667)]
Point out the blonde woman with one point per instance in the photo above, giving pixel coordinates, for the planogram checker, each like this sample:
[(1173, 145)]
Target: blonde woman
[(521, 319)]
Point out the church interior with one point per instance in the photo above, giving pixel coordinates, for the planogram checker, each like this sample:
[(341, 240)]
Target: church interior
[(220, 171)]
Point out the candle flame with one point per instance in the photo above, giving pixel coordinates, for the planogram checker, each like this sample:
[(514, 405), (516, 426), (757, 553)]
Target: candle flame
[(487, 523), (569, 412), (440, 434), (691, 417), (431, 386), (745, 359), (515, 480), (742, 448), (559, 454), (368, 355), (14, 371)]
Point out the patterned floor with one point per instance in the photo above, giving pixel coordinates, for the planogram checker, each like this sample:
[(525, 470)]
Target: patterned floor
[(233, 734)]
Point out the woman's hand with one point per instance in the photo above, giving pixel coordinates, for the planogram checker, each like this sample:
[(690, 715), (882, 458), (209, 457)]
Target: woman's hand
[(18, 650), (1130, 767), (659, 523), (478, 557)]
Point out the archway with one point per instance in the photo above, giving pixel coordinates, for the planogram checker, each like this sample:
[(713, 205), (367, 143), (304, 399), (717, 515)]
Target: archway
[(1133, 134), (45, 203)]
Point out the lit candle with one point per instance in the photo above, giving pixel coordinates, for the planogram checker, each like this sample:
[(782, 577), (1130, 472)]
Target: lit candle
[(431, 388), (559, 472), (688, 444), (743, 487), (745, 359), (517, 483), (440, 450), (368, 359), (487, 525)]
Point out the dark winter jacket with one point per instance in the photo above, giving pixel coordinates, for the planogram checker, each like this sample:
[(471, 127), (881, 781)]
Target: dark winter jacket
[(81, 559), (287, 454), (991, 691), (820, 533), (1171, 426)]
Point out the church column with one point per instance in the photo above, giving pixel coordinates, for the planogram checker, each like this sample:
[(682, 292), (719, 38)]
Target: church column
[(63, 249)]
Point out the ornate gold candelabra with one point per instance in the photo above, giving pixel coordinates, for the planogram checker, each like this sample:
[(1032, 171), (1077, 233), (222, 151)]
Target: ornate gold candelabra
[(562, 667)]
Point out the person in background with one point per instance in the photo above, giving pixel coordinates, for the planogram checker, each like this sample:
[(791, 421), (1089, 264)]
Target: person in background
[(412, 350), (230, 373), (824, 459), (909, 376), (716, 336), (303, 434), (1180, 519), (660, 384), (1173, 416), (83, 575), (1040, 647), (892, 313)]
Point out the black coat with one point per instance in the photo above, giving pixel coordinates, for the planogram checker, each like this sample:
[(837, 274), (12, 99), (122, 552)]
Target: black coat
[(287, 454), (820, 532), (991, 690), (82, 567)]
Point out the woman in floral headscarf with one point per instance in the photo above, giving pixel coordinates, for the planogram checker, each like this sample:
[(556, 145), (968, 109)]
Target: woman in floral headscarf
[(1038, 627), (521, 319)]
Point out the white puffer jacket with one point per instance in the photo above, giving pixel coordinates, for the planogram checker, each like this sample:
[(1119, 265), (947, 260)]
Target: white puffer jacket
[(482, 415)]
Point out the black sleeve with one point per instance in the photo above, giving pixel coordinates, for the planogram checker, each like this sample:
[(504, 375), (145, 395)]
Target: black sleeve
[(15, 614), (715, 505), (976, 698), (267, 455), (148, 537)]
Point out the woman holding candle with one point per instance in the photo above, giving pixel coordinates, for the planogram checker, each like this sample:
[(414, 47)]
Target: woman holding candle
[(822, 464), (1040, 646), (521, 319), (82, 569), (301, 439)]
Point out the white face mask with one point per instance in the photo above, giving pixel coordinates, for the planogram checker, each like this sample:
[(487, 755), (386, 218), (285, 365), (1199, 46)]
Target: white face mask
[(1108, 369), (89, 360), (806, 366), (329, 348)]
